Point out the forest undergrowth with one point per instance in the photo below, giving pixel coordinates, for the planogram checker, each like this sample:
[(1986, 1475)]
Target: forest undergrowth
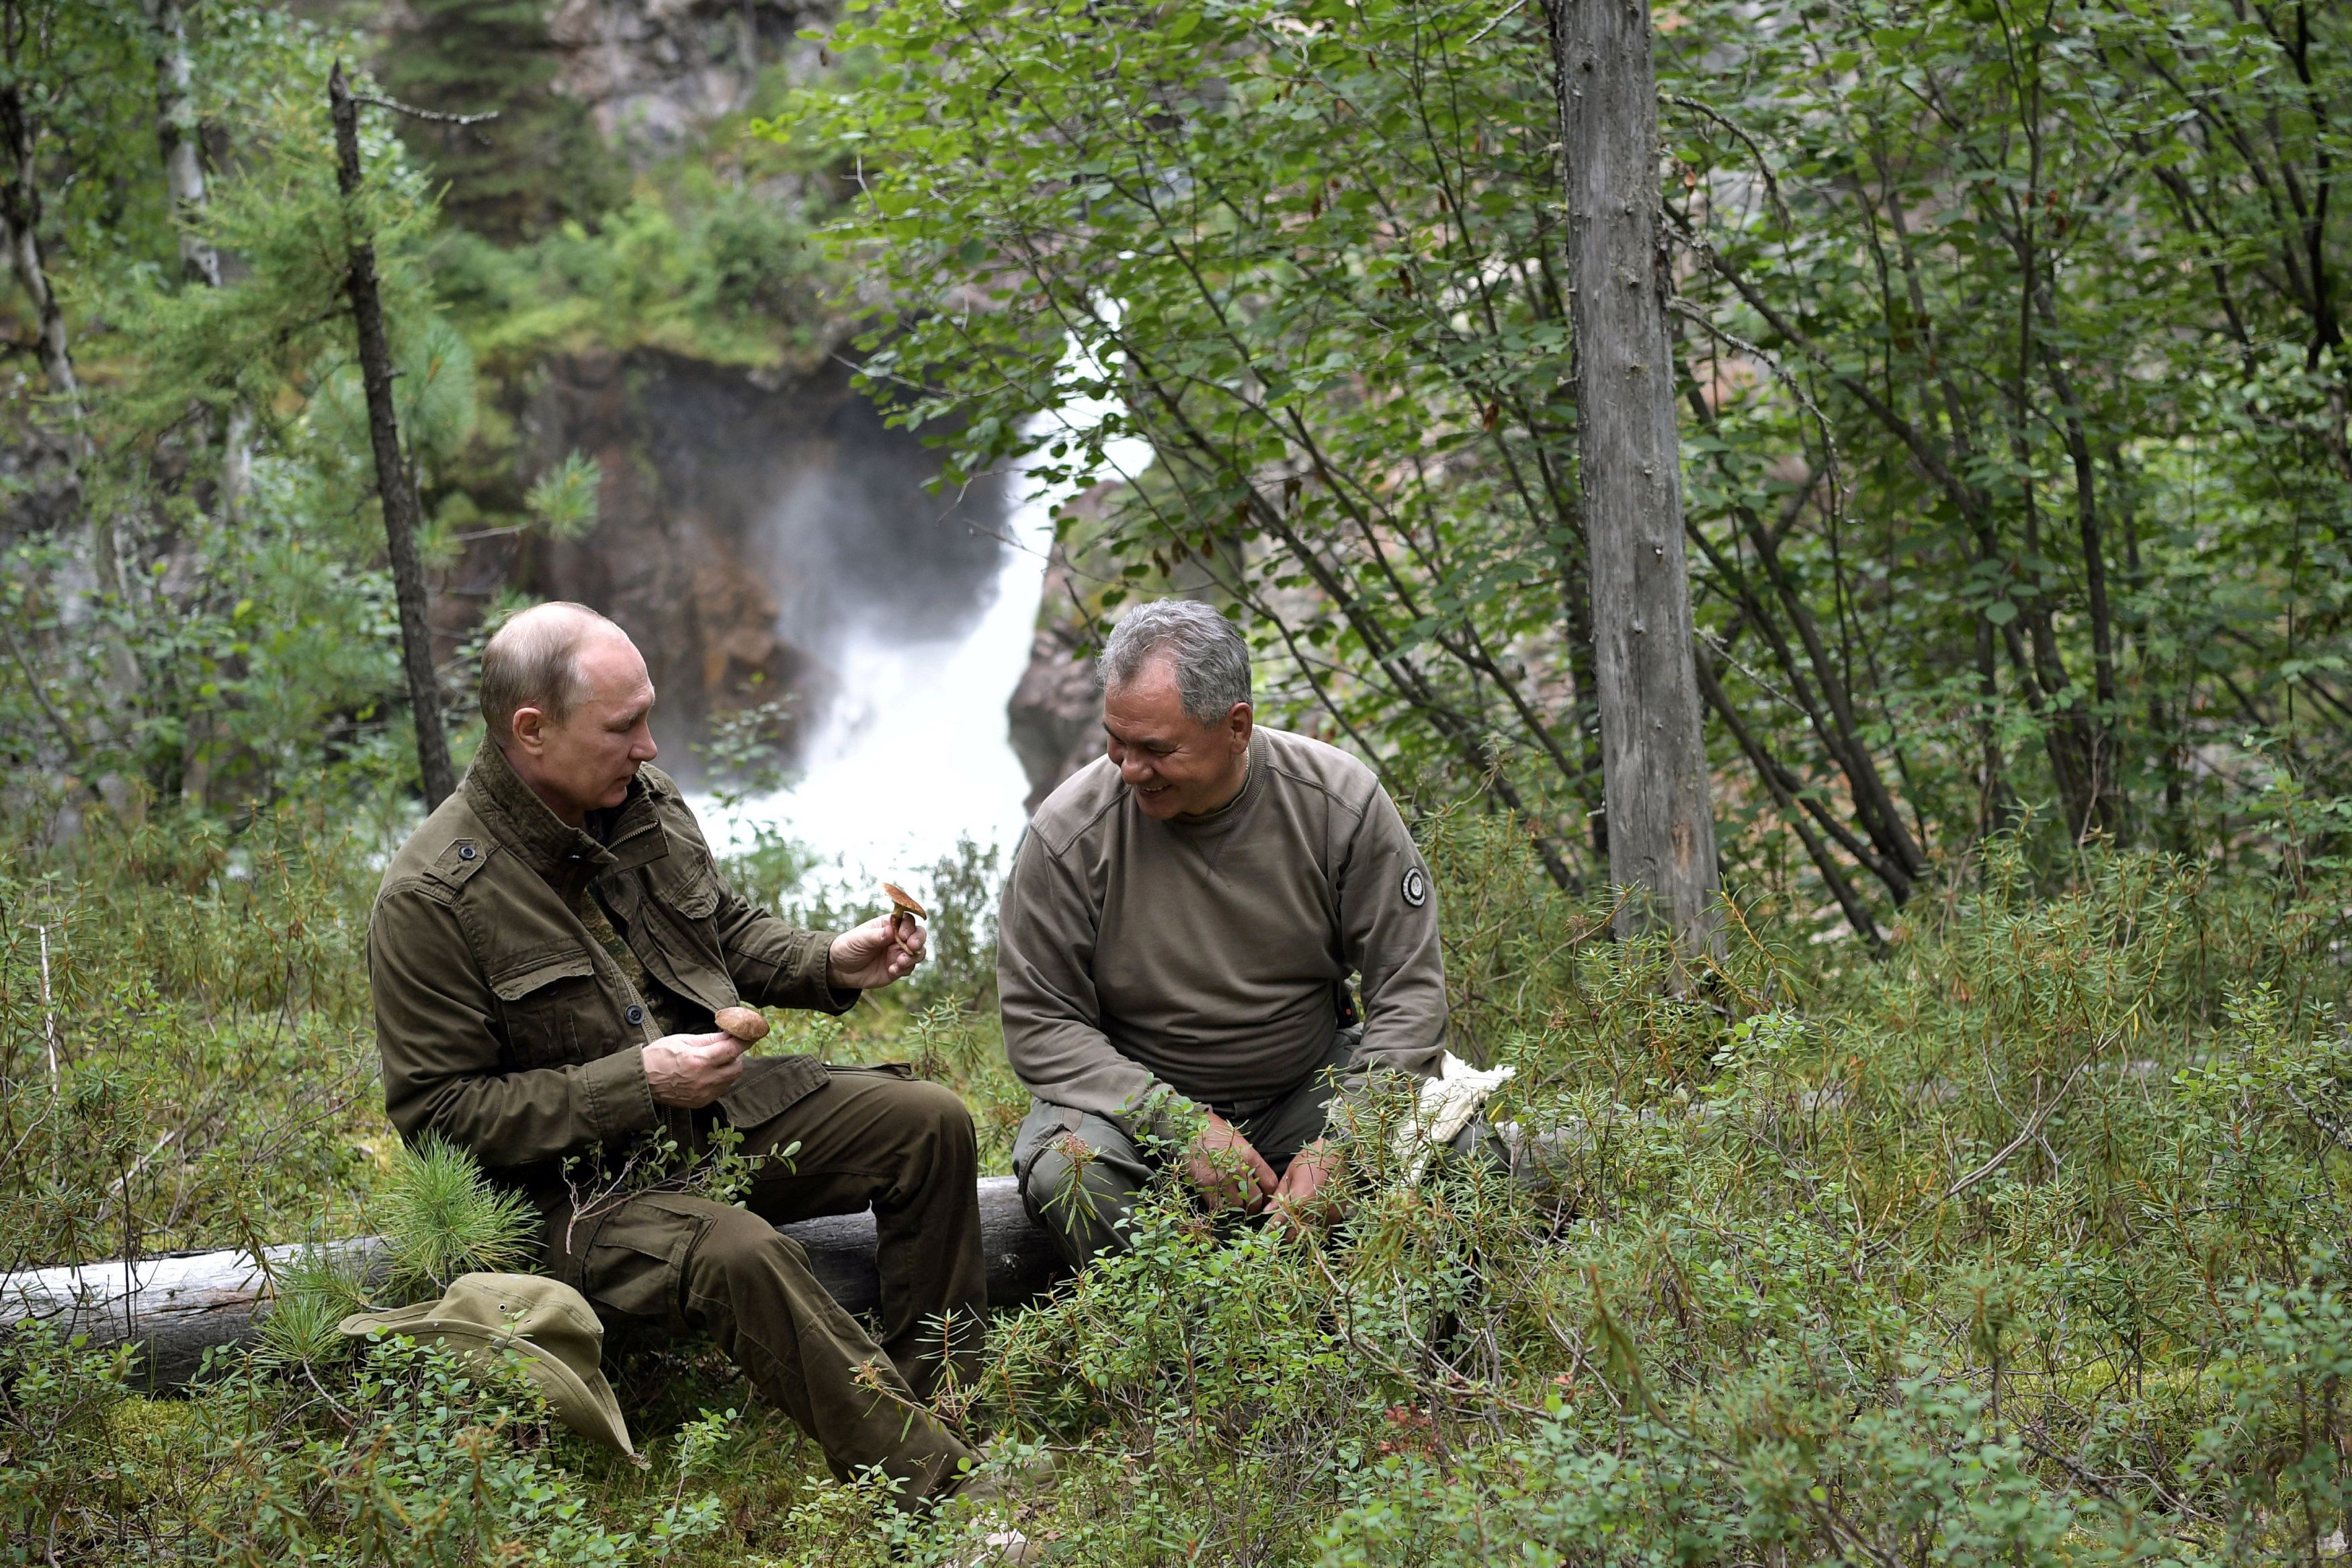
[(2025, 1243)]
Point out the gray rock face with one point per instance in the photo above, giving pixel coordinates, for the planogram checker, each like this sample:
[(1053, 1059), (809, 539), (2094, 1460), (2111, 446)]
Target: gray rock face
[(1056, 713), (654, 72)]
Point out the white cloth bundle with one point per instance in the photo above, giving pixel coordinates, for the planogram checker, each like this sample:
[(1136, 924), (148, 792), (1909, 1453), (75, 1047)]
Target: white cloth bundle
[(1444, 1107)]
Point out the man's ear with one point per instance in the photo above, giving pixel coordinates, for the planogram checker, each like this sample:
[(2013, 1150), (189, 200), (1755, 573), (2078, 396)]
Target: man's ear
[(529, 728), (1239, 721)]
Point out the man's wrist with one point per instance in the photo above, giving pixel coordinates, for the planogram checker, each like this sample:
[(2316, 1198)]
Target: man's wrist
[(818, 982), (1161, 1115)]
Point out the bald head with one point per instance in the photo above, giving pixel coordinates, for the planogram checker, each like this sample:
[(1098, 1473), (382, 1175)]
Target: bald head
[(533, 661), (567, 699)]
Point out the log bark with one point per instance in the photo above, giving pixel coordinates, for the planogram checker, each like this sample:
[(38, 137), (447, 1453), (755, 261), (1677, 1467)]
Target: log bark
[(178, 1307), (391, 480), (1652, 735)]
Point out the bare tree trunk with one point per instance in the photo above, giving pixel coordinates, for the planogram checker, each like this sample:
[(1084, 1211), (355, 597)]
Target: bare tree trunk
[(183, 177), (176, 131), (1653, 734), (20, 231), (392, 488)]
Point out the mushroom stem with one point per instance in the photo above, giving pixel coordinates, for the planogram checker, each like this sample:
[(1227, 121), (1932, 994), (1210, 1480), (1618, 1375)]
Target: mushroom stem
[(906, 911)]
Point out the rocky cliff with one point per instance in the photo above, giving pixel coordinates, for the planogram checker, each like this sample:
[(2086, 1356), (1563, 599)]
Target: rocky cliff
[(654, 73), (747, 519), (741, 529), (1056, 713)]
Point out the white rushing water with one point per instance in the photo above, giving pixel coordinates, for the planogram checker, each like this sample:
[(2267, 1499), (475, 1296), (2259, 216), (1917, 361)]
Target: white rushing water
[(914, 753)]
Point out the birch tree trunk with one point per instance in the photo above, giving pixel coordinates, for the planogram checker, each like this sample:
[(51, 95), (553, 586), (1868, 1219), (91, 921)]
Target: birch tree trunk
[(184, 178), (176, 134), (392, 481), (1652, 737), (20, 210)]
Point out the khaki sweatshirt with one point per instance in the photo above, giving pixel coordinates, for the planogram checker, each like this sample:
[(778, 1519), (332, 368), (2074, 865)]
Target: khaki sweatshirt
[(1137, 957)]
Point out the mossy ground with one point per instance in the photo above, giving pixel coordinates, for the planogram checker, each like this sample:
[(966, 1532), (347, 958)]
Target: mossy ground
[(2023, 1242)]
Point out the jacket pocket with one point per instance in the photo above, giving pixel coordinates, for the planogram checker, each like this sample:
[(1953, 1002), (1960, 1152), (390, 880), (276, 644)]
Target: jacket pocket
[(771, 1086), (540, 1002), (677, 908), (686, 882)]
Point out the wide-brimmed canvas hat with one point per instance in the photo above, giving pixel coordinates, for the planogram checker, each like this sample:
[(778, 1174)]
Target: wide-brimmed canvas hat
[(544, 1321)]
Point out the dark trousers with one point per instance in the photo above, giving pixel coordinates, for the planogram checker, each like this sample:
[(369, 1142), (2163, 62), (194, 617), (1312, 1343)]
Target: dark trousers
[(868, 1136), (1081, 1177)]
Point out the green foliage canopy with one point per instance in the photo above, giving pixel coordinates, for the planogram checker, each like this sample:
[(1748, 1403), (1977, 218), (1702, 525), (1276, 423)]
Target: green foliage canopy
[(2014, 438)]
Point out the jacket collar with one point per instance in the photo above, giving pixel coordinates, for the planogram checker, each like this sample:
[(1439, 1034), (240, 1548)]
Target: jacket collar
[(629, 834)]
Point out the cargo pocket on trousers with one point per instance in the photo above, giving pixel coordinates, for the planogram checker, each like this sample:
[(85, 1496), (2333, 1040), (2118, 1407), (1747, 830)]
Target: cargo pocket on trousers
[(1040, 1127), (637, 1264)]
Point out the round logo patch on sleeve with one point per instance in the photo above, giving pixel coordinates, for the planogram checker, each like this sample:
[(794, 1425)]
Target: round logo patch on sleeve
[(1415, 887)]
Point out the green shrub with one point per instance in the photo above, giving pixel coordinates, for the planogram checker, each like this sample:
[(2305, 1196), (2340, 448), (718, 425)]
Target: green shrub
[(441, 1219)]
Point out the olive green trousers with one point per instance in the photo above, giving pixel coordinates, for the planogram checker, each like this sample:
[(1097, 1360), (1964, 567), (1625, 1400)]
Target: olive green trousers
[(682, 1263)]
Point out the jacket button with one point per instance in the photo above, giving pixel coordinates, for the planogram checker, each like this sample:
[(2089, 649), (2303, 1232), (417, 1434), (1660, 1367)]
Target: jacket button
[(465, 851), (636, 1013)]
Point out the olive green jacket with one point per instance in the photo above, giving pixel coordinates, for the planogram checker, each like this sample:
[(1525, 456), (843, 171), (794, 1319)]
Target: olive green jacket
[(509, 1031)]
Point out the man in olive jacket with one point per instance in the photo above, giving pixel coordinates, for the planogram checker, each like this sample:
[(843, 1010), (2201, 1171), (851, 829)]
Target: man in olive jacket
[(546, 954)]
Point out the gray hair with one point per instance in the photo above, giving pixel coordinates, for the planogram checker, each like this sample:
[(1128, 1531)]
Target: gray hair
[(533, 661), (1212, 663)]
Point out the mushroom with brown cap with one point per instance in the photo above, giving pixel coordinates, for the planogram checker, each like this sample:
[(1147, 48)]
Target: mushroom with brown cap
[(746, 1024)]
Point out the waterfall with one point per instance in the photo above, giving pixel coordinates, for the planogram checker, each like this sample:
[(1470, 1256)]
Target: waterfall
[(913, 753)]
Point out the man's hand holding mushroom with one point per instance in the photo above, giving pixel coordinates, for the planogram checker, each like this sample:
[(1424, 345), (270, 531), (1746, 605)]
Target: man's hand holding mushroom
[(693, 1069), (884, 949)]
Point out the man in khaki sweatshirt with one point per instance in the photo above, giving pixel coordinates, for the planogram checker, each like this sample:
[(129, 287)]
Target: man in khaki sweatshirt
[(1177, 931)]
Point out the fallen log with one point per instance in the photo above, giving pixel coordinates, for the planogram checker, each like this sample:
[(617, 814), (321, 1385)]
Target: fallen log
[(175, 1307)]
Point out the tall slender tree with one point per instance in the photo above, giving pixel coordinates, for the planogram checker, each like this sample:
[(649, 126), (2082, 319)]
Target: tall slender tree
[(1652, 735), (393, 487)]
